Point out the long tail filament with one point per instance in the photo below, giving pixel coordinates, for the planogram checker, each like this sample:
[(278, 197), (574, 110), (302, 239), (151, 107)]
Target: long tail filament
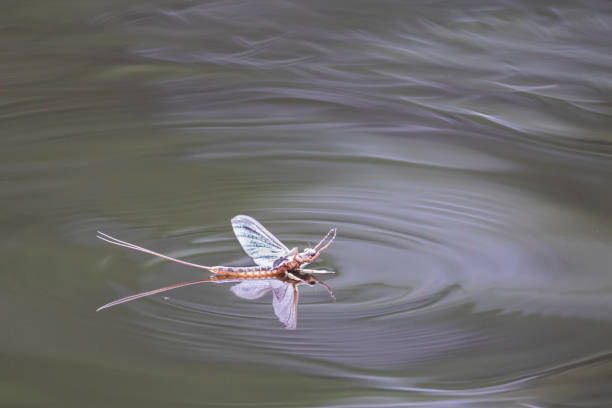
[(116, 241)]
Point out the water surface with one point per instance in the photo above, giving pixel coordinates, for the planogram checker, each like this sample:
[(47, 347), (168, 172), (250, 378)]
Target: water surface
[(463, 153)]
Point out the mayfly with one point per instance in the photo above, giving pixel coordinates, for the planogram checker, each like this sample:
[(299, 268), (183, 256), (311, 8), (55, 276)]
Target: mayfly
[(278, 269)]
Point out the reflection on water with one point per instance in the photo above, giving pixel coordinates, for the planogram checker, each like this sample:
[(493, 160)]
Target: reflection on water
[(463, 153)]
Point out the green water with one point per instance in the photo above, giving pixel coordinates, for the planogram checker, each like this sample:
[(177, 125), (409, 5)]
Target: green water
[(463, 152)]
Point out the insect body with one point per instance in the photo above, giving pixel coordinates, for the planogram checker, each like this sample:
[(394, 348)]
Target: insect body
[(278, 269)]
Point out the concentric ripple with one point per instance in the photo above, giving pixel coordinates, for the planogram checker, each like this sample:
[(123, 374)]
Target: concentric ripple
[(463, 153), (452, 274)]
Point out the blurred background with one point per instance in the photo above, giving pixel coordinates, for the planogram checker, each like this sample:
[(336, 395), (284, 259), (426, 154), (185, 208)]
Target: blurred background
[(463, 151)]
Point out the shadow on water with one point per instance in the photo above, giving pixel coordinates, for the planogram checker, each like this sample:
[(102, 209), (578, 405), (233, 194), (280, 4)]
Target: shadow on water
[(463, 153)]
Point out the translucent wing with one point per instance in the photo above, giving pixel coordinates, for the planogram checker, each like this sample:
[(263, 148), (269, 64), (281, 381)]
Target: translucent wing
[(284, 300), (257, 241), (252, 289)]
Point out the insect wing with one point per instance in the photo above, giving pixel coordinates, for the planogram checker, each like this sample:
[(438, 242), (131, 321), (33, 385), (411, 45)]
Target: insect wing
[(284, 301), (252, 289), (258, 242)]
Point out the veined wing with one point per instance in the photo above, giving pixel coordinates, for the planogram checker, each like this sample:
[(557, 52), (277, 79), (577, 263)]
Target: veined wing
[(252, 289), (284, 297), (284, 300), (258, 242)]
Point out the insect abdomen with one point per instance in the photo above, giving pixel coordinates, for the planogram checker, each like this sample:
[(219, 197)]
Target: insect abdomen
[(257, 273), (253, 272)]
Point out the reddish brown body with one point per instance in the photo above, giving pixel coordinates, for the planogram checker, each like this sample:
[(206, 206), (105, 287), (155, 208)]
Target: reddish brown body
[(260, 272), (223, 273), (250, 272)]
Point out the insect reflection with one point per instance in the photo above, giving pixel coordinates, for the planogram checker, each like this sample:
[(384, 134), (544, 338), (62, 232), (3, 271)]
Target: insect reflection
[(278, 269)]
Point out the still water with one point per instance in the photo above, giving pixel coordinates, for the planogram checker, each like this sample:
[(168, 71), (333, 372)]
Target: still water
[(463, 151)]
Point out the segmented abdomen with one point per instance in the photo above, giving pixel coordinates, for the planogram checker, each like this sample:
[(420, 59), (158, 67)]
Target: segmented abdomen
[(250, 272)]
